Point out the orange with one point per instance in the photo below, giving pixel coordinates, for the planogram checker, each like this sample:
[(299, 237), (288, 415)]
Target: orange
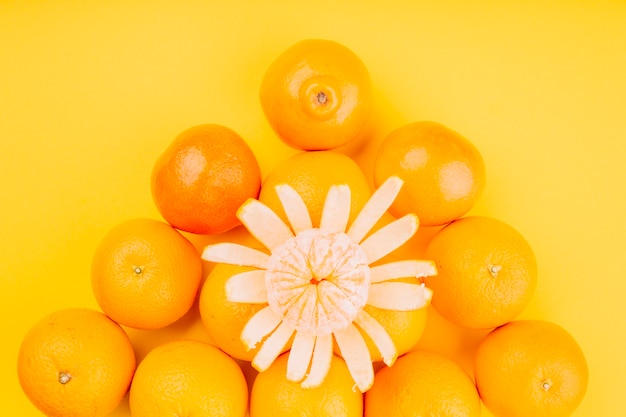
[(422, 383), (145, 274), (311, 174), (316, 282), (487, 272), (188, 378), (224, 320), (76, 363), (317, 95), (531, 368), (202, 178), (274, 396), (444, 172)]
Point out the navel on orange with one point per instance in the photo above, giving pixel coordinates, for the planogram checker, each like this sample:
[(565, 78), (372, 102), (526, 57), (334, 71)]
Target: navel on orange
[(317, 95), (76, 363), (531, 368), (422, 383), (202, 178), (444, 172), (188, 378), (145, 274), (487, 272)]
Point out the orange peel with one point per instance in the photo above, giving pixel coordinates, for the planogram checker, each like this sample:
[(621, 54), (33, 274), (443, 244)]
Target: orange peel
[(315, 282)]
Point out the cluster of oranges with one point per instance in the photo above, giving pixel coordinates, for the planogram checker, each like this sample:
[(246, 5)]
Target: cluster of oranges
[(146, 274)]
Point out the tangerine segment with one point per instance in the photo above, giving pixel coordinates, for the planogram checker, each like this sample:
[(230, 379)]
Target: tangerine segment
[(402, 269), (355, 352), (235, 254), (399, 296), (320, 362), (336, 210), (390, 237), (295, 209), (374, 208), (273, 346), (298, 363), (317, 95), (318, 281), (382, 340), (263, 223)]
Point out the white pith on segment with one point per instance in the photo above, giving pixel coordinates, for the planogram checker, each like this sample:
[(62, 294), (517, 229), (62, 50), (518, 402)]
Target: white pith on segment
[(316, 281)]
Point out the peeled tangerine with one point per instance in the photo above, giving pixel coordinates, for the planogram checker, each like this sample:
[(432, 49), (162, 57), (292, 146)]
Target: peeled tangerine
[(316, 282)]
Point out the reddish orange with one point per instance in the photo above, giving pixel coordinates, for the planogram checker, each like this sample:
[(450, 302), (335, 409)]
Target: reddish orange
[(203, 177)]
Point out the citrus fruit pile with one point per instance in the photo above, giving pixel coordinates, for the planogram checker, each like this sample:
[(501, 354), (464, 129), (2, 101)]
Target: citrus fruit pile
[(318, 300)]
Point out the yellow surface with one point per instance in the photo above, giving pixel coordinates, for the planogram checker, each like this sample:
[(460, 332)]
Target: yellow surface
[(92, 92)]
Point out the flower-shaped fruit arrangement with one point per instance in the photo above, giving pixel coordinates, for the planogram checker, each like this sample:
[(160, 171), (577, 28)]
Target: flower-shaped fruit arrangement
[(322, 297)]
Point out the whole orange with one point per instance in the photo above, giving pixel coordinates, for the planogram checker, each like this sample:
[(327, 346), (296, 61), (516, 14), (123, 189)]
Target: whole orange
[(188, 378), (531, 368), (444, 173), (76, 363), (145, 274), (311, 174), (317, 95), (487, 272), (202, 178), (274, 396), (422, 383)]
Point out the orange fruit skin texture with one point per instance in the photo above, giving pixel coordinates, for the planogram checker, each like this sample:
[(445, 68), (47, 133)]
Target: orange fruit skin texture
[(291, 86), (274, 396), (166, 286), (224, 320), (202, 178), (188, 378), (89, 347), (311, 174), (514, 361), (422, 383), (465, 291), (444, 172)]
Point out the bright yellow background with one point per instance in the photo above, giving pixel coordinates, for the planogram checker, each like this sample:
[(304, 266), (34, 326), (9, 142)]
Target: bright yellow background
[(92, 92)]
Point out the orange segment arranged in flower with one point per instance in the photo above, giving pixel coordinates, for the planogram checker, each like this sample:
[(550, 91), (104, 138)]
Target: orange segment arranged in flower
[(317, 281)]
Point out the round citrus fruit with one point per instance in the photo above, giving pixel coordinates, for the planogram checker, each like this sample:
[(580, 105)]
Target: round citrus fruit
[(224, 320), (317, 95), (487, 272), (531, 368), (203, 177), (274, 396), (145, 274), (312, 174), (422, 383), (76, 363), (188, 378), (444, 173)]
